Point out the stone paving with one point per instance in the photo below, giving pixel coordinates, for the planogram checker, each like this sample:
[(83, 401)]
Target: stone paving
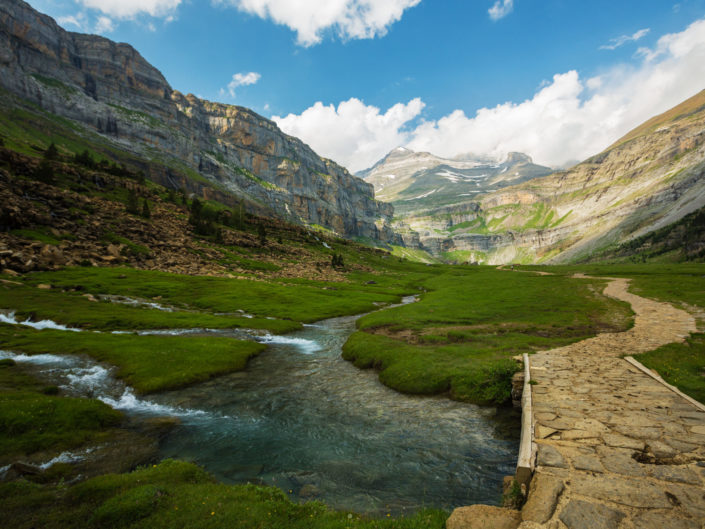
[(615, 448)]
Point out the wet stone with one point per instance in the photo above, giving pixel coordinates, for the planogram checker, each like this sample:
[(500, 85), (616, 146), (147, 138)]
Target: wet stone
[(589, 463), (543, 498), (621, 463), (692, 499), (675, 474), (483, 516), (620, 441), (550, 457), (580, 514), (622, 491), (663, 521)]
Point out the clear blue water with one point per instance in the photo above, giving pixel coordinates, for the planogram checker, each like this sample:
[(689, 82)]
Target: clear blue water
[(305, 420), (302, 418)]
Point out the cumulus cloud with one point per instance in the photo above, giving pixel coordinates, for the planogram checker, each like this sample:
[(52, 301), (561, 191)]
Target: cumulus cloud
[(571, 119), (131, 8), (567, 119), (353, 134), (241, 79), (623, 39), (104, 25), (350, 19), (81, 22), (78, 20), (501, 9)]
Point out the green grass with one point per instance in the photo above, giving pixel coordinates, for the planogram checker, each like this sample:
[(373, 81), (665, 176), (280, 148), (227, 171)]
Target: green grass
[(682, 365), (54, 83), (32, 421), (674, 283), (413, 254), (135, 249), (175, 494), (463, 256), (41, 235), (303, 302), (74, 310), (462, 334), (680, 284), (147, 363)]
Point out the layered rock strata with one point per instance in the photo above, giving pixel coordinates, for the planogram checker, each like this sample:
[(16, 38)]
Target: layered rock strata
[(114, 93)]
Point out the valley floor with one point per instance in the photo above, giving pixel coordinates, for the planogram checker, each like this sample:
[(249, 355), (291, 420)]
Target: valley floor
[(75, 253)]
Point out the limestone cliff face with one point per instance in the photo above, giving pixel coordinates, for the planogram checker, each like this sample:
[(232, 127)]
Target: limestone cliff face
[(112, 91), (649, 179)]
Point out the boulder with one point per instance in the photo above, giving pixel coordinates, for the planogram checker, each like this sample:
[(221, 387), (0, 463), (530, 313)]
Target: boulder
[(483, 517)]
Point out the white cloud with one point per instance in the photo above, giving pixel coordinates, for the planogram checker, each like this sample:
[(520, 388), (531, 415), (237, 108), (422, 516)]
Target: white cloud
[(131, 8), (81, 22), (350, 19), (241, 79), (567, 119), (571, 119), (501, 9), (104, 25), (78, 20), (354, 134), (623, 39)]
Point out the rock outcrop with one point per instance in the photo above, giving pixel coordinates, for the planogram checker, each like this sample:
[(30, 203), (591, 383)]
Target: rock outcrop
[(219, 150), (650, 179)]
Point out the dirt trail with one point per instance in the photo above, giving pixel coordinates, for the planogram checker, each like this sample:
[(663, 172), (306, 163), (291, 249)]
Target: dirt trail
[(616, 449)]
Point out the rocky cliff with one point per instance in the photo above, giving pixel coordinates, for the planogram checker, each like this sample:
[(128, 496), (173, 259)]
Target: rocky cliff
[(118, 99), (649, 179)]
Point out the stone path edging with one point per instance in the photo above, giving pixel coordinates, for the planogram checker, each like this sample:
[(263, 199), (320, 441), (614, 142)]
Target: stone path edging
[(527, 447), (617, 448), (660, 380)]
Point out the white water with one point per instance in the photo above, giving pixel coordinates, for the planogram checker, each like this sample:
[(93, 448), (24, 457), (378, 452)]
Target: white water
[(302, 344), (124, 300), (67, 457), (10, 319), (85, 378)]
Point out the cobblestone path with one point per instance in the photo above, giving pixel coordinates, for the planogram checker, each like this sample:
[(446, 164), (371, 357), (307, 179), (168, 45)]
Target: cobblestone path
[(616, 449)]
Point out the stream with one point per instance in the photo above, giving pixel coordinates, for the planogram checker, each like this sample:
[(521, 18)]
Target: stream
[(303, 419)]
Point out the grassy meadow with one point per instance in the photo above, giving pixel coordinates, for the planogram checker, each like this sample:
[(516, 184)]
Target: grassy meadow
[(682, 285), (463, 333)]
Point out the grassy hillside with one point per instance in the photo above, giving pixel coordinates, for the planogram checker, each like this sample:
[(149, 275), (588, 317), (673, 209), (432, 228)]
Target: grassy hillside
[(686, 108)]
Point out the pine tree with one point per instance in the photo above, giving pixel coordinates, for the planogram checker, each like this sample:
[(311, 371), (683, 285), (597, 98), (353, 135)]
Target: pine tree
[(145, 209), (262, 234), (132, 202), (52, 153), (44, 173)]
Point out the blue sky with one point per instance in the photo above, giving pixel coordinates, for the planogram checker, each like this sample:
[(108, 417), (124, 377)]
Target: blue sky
[(416, 72)]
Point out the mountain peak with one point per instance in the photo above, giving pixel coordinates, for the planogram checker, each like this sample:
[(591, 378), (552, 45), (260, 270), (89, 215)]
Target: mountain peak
[(517, 157)]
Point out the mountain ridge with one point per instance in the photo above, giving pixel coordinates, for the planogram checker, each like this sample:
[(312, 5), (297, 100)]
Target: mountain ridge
[(113, 92)]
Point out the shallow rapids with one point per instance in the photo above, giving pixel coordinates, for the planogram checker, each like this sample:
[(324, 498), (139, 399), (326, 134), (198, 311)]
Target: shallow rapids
[(302, 418)]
